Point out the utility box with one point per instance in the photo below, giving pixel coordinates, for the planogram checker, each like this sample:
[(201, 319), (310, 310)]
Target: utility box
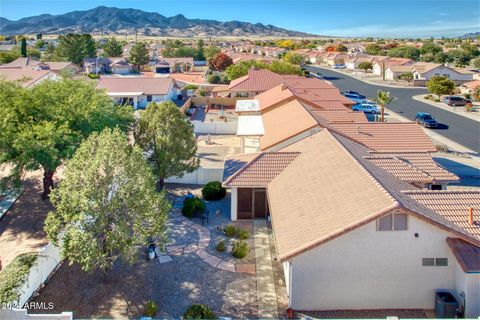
[(446, 306)]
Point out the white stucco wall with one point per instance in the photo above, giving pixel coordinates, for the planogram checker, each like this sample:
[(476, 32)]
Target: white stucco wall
[(467, 287), (377, 69), (233, 204), (450, 73), (369, 269)]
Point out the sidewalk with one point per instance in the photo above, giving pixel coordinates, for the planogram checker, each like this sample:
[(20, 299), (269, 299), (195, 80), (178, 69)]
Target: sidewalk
[(475, 115), (266, 294)]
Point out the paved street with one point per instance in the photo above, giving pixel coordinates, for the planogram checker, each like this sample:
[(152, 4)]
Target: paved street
[(454, 127)]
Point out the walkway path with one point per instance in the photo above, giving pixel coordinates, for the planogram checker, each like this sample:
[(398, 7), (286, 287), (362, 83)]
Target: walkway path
[(267, 298), (198, 247)]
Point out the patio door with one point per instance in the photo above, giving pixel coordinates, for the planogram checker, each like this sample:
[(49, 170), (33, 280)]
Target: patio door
[(245, 203), (260, 203)]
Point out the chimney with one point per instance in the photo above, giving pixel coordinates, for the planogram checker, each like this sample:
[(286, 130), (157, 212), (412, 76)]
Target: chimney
[(470, 217)]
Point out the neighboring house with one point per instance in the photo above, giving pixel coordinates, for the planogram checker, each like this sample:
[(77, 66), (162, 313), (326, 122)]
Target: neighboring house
[(30, 64), (469, 87), (289, 112), (350, 228), (106, 65), (315, 57), (424, 71), (240, 56), (352, 61), (333, 58), (139, 91), (381, 64), (172, 65), (394, 72), (27, 77)]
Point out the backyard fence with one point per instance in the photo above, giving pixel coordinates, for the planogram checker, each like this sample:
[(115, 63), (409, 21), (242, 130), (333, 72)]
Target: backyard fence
[(47, 261), (199, 176), (215, 127), (21, 314)]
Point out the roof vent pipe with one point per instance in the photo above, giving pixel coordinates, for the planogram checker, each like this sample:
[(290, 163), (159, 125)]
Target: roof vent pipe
[(470, 217), (358, 129)]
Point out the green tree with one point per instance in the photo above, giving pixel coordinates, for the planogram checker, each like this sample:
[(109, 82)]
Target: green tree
[(213, 79), (139, 54), (9, 56), (284, 68), (76, 47), (365, 66), (384, 99), (23, 47), (44, 125), (167, 137), (460, 57), (373, 49), (404, 52), (211, 51), (113, 47), (200, 54), (240, 69), (430, 47), (440, 85), (341, 48), (106, 205), (294, 58), (476, 63)]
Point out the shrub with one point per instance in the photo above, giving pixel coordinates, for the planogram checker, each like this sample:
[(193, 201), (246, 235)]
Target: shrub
[(467, 96), (213, 79), (230, 230), (441, 148), (199, 311), (469, 107), (365, 66), (240, 249), (406, 76), (151, 309), (192, 206), (220, 246), (190, 87), (436, 99), (93, 76), (14, 275), (213, 191), (243, 234)]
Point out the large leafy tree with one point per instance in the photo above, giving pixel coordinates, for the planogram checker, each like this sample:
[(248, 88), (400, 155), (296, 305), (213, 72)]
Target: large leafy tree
[(294, 58), (42, 126), (167, 138), (220, 62), (440, 85), (211, 51), (139, 54), (113, 48), (407, 52), (240, 69), (384, 98), (76, 47), (106, 205)]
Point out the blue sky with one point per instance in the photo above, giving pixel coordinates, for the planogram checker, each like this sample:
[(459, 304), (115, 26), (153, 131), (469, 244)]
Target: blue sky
[(378, 18)]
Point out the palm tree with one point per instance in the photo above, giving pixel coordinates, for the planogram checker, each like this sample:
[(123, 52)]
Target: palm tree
[(384, 99)]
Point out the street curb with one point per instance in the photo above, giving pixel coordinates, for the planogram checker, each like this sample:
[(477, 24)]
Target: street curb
[(365, 81), (419, 97)]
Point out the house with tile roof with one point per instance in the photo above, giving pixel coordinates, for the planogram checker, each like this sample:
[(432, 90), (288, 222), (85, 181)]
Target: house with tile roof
[(35, 65), (139, 91), (354, 230), (424, 71), (101, 65), (27, 77), (381, 64)]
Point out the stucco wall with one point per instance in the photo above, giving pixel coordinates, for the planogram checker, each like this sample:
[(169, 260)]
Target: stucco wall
[(452, 74), (369, 269), (467, 287)]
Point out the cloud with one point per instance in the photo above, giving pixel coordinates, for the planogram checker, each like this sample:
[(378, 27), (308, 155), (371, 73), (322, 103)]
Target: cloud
[(436, 28)]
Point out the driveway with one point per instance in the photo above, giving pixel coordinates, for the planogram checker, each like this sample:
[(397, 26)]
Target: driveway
[(454, 127)]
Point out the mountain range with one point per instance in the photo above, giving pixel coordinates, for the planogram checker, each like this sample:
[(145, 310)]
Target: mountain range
[(109, 20)]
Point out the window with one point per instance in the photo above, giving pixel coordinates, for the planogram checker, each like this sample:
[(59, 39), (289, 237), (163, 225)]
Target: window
[(441, 262), (435, 262), (428, 262), (436, 187), (149, 98), (392, 222)]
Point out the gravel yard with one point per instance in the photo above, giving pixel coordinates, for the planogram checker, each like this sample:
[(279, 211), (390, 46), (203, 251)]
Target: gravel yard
[(173, 286)]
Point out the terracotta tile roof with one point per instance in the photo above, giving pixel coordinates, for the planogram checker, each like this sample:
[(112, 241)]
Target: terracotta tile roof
[(147, 85), (236, 162), (27, 63), (398, 189), (453, 206), (422, 67), (189, 77), (387, 136), (320, 195), (467, 255), (400, 169), (423, 161), (471, 84), (341, 115), (258, 80), (273, 96), (396, 68), (283, 122), (261, 170), (26, 77), (330, 98)]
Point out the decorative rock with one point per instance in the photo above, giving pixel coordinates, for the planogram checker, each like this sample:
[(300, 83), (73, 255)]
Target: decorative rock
[(212, 260), (164, 259), (248, 268), (227, 266), (202, 254)]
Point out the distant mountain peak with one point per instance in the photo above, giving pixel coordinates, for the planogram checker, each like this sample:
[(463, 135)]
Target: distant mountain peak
[(103, 19)]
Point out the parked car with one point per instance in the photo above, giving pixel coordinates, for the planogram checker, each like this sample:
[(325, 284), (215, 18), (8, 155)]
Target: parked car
[(358, 98), (366, 107), (456, 101), (355, 93), (426, 120), (339, 66)]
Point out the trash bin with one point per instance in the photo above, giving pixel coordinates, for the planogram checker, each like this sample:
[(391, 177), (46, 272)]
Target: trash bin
[(446, 305)]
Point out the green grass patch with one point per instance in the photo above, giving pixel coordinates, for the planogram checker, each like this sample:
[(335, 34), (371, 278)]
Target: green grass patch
[(14, 275)]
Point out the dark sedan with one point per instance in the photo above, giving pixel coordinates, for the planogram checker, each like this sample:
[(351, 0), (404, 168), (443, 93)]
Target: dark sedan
[(426, 120)]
